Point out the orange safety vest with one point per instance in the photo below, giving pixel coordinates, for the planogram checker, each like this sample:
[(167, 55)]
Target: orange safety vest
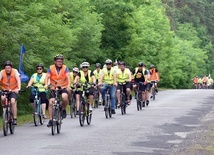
[(153, 76), (60, 79), (195, 80), (9, 83)]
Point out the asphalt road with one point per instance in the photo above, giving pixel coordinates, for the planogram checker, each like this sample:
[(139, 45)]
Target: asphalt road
[(156, 130)]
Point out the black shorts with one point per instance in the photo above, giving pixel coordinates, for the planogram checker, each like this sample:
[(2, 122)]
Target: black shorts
[(13, 95), (90, 91), (142, 87), (124, 87), (52, 94), (42, 95)]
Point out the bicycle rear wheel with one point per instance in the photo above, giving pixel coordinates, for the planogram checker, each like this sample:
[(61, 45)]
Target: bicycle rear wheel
[(5, 121), (12, 127), (153, 93), (59, 122), (82, 114), (54, 119)]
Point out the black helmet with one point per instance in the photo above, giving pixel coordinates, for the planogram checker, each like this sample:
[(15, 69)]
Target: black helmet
[(122, 63), (8, 63), (152, 66), (40, 65), (108, 61), (98, 65), (140, 64), (58, 56)]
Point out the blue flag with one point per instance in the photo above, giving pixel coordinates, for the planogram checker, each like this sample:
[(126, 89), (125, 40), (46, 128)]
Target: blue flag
[(23, 76)]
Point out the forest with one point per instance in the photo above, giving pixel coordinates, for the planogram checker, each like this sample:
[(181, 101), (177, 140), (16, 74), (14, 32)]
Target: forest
[(176, 36)]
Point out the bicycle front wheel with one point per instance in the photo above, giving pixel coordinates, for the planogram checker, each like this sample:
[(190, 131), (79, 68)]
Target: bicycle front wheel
[(81, 114), (89, 117), (11, 119), (54, 119), (5, 121), (153, 93), (59, 122)]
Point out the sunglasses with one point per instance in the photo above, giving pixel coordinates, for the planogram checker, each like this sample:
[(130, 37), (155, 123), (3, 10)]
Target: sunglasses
[(75, 72), (39, 68), (108, 63), (84, 67)]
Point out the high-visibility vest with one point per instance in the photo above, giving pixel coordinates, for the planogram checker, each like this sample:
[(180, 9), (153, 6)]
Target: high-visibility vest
[(9, 83), (40, 83), (122, 76), (108, 77), (82, 78), (58, 79)]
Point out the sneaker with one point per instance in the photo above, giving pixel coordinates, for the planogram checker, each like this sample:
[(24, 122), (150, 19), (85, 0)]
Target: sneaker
[(147, 102), (14, 122), (44, 116), (64, 114), (156, 90), (105, 108), (150, 96), (77, 113), (49, 123), (90, 108), (143, 104), (113, 111)]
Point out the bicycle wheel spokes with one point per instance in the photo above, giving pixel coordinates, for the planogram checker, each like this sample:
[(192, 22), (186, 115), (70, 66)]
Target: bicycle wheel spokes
[(59, 122), (11, 119), (54, 119), (5, 122), (81, 114)]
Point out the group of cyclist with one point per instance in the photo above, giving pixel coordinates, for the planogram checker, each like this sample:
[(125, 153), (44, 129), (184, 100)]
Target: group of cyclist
[(111, 76), (204, 82)]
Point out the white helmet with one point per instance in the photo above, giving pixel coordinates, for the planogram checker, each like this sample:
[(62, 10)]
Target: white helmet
[(75, 69), (85, 64)]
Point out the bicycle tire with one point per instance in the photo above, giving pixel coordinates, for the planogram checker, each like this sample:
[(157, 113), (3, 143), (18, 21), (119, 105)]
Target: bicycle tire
[(153, 93), (54, 118), (41, 119), (122, 97), (35, 114), (71, 111), (89, 116), (81, 114), (59, 122), (5, 121), (11, 126)]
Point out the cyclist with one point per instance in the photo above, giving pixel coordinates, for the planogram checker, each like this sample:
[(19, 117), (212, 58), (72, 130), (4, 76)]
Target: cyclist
[(73, 74), (59, 76), (148, 84), (97, 73), (123, 76), (85, 75), (108, 81), (210, 82), (10, 80), (199, 82), (154, 76), (38, 80), (140, 75), (205, 81), (195, 82)]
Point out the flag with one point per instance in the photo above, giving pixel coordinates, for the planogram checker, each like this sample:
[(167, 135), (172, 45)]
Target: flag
[(23, 76)]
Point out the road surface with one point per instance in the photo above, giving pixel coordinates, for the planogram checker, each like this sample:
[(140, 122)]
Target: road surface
[(155, 130)]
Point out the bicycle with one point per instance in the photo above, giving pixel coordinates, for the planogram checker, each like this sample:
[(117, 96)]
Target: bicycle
[(7, 115), (96, 98), (139, 96), (107, 108), (37, 114), (84, 112), (153, 89), (56, 112), (123, 102), (72, 103)]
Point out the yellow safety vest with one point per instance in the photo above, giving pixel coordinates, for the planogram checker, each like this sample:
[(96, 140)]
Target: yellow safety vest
[(82, 78), (122, 76), (97, 74), (40, 83), (108, 77)]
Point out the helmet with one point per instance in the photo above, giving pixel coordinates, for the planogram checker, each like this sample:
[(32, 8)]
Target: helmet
[(98, 65), (40, 65), (140, 64), (85, 64), (122, 63), (108, 61), (8, 63), (75, 69), (58, 56), (152, 66)]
